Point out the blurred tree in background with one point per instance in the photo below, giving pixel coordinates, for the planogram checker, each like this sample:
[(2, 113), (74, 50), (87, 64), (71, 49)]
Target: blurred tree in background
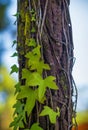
[(6, 82), (4, 21), (6, 98)]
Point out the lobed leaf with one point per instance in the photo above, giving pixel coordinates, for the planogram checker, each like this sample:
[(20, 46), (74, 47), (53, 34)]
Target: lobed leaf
[(18, 107), (30, 103), (24, 93), (14, 42), (52, 114), (14, 69), (31, 42), (50, 83), (14, 54)]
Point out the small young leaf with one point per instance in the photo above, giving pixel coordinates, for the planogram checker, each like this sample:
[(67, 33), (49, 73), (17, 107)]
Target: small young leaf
[(32, 11), (14, 69), (14, 42), (34, 54), (17, 87), (36, 51), (17, 14), (33, 19), (14, 54), (31, 42), (36, 126), (52, 114), (33, 30)]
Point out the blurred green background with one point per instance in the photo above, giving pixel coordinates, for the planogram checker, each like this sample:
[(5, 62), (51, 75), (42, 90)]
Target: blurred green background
[(78, 9)]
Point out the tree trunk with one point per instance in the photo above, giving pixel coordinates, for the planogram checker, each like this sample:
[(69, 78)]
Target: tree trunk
[(54, 33)]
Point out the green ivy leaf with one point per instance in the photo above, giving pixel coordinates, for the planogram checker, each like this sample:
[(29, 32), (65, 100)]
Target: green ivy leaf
[(28, 93), (41, 91), (38, 65), (32, 11), (17, 87), (30, 102), (50, 83), (47, 82), (14, 69), (36, 126), (14, 42), (17, 14), (33, 19), (34, 55), (14, 54), (17, 122), (18, 107), (52, 114), (25, 73), (31, 42), (24, 93), (33, 30), (34, 79), (36, 51)]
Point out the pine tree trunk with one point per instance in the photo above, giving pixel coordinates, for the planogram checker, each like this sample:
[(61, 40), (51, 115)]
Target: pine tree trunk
[(54, 33)]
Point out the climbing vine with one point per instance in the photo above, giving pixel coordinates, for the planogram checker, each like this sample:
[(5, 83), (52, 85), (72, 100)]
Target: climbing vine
[(35, 84), (45, 91)]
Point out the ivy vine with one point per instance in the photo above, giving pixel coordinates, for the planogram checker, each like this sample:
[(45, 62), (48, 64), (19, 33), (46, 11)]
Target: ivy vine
[(35, 85)]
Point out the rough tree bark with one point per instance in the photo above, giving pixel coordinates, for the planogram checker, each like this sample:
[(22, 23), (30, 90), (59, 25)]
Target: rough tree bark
[(54, 33)]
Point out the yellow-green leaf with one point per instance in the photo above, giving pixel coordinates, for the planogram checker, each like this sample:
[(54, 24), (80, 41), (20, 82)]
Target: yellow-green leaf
[(51, 113), (36, 126), (50, 82)]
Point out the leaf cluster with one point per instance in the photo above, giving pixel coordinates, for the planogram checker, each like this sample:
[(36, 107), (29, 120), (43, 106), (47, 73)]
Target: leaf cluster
[(35, 86)]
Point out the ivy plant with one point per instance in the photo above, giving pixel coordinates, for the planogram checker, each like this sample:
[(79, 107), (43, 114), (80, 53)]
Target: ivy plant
[(35, 86)]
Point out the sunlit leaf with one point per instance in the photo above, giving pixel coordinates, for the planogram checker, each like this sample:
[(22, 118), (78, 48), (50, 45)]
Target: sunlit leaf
[(25, 73), (24, 93), (36, 51), (49, 82), (34, 79), (30, 102), (41, 90), (38, 65), (31, 98)]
